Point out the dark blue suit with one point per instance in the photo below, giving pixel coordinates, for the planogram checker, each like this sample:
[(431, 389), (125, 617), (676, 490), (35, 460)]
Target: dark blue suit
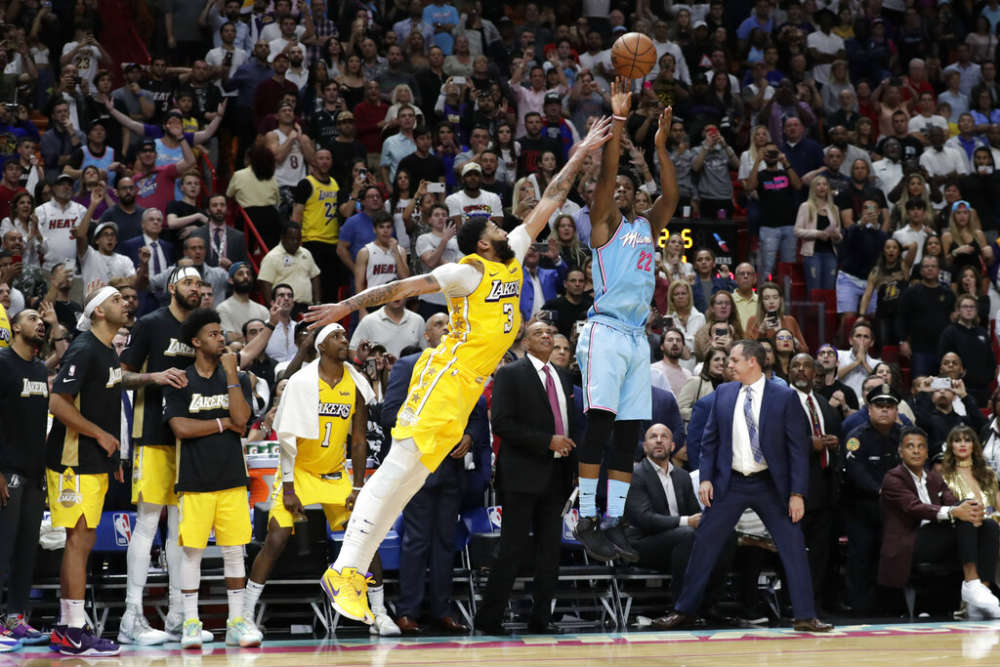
[(551, 280), (148, 301), (696, 428), (784, 437)]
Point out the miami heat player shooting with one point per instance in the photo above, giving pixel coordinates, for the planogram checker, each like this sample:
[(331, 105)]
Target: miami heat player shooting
[(483, 291), (612, 350)]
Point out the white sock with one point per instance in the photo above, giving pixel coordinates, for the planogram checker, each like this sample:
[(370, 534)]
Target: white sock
[(235, 598), (76, 617), (137, 559), (63, 611), (251, 597), (175, 556), (190, 602), (376, 598)]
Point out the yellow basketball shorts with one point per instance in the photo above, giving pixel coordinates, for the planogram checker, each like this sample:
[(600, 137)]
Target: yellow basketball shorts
[(441, 398), (72, 495), (227, 511), (154, 471), (330, 491)]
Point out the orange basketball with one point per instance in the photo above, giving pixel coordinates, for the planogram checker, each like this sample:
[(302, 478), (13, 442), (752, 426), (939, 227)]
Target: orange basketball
[(633, 55)]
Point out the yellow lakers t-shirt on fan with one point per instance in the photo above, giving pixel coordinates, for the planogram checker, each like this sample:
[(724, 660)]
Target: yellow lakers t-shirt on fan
[(320, 217), (5, 334)]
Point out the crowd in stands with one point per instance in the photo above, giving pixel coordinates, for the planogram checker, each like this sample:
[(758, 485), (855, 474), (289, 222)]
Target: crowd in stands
[(860, 140)]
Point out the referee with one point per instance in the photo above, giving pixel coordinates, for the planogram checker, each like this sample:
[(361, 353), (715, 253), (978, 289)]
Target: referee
[(24, 408)]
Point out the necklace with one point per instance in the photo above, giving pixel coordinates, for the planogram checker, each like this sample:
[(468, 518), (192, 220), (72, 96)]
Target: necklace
[(963, 464)]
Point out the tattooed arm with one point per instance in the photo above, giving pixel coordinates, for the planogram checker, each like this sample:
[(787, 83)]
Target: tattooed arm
[(373, 296), (174, 377), (559, 187)]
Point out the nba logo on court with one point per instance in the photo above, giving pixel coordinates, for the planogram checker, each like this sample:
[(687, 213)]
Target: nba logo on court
[(496, 514), (123, 529)]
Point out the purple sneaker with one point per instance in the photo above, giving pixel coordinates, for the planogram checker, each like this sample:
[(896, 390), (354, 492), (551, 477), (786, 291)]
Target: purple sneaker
[(56, 637), (8, 642), (28, 635), (80, 641)]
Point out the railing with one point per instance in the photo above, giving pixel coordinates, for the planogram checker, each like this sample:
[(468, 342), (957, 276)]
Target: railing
[(207, 164), (256, 248)]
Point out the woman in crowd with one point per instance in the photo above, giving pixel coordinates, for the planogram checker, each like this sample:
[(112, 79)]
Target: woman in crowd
[(886, 283), (784, 349), (970, 282), (522, 201), (333, 57), (891, 374), (990, 436), (672, 265), (720, 311), (508, 150), (865, 133), (818, 225), (933, 248), (913, 186), (352, 82), (401, 94), (967, 474), (680, 306), (311, 96), (23, 219), (90, 178), (839, 81), (703, 384), (771, 317), (397, 203), (415, 51), (983, 110), (459, 63), (980, 187), (964, 240), (571, 250), (256, 191), (982, 41), (547, 165)]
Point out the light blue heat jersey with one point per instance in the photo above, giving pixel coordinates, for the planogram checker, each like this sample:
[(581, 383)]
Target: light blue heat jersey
[(624, 274)]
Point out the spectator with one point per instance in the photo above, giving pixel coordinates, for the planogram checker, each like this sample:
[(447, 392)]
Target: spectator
[(970, 341), (281, 346), (685, 316), (720, 311), (572, 306), (292, 151), (669, 373), (434, 248), (859, 252), (227, 244), (422, 164), (883, 290), (707, 281), (271, 90), (533, 144), (60, 141), (837, 394), (915, 232), (471, 201), (149, 253), (540, 285), (708, 379), (391, 326), (359, 229), (777, 193), (255, 189), (924, 311), (382, 260), (935, 407), (941, 163), (915, 531), (964, 240), (194, 255), (817, 223), (979, 185), (288, 263), (715, 189), (344, 148), (100, 264), (55, 220), (239, 308), (771, 317), (126, 214), (531, 100), (856, 364), (399, 145), (154, 183), (745, 298), (967, 140)]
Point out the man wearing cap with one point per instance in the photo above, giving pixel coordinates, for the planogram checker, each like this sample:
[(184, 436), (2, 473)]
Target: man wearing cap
[(56, 220), (555, 126), (170, 139), (155, 183), (226, 245), (95, 152), (239, 308), (871, 450), (100, 264), (471, 201)]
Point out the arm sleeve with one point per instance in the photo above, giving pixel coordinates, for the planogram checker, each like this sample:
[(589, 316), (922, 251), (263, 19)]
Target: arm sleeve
[(519, 241), (457, 280)]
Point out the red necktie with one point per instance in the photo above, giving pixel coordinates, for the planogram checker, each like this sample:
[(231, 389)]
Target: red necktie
[(824, 458), (550, 389)]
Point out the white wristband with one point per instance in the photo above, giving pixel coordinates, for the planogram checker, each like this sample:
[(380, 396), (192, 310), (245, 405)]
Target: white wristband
[(219, 422), (621, 118)]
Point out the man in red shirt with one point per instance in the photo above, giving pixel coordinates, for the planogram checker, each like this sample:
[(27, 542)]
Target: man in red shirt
[(368, 117), (155, 185), (270, 91), (10, 185)]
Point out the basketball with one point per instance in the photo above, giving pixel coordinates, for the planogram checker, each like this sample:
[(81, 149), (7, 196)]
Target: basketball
[(633, 55)]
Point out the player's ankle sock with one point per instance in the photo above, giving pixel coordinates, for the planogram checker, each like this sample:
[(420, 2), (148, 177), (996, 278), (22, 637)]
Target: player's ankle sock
[(63, 611), (235, 598), (190, 605), (376, 599), (250, 598), (588, 497), (617, 491), (76, 617)]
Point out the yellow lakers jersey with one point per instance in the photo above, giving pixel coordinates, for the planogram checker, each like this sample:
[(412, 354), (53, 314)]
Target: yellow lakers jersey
[(484, 324), (6, 337), (336, 409), (320, 219)]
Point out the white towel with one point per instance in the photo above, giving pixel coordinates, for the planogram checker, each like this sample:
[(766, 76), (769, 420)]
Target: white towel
[(298, 416)]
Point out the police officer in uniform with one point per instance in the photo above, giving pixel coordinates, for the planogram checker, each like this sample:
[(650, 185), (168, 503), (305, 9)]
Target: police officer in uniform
[(871, 450)]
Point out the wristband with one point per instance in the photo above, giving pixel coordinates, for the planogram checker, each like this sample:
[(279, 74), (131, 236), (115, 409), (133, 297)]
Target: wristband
[(356, 488), (621, 118), (233, 386), (219, 422)]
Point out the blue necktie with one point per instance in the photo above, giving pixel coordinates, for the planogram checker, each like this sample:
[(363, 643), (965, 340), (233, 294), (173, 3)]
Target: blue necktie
[(758, 456)]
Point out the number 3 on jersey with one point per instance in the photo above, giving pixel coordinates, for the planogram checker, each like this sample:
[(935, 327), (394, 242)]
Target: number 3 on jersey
[(645, 262), (508, 311)]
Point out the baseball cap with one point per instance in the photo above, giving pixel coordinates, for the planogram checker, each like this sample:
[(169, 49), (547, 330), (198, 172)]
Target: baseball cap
[(148, 143), (234, 267), (471, 166), (173, 114), (64, 178), (700, 24), (97, 121), (882, 392), (553, 98), (105, 225), (344, 115)]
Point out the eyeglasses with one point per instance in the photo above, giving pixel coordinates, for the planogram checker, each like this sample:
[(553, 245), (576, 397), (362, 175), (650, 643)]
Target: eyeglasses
[(783, 338)]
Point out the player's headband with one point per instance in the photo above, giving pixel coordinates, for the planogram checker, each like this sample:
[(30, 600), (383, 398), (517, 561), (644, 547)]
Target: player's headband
[(185, 272), (326, 331), (105, 293)]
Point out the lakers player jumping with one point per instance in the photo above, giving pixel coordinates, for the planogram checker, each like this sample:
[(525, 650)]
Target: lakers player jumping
[(483, 291)]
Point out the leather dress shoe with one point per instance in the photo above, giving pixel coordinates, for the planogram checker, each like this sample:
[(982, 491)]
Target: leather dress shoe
[(449, 625), (546, 629), (588, 533), (674, 620), (811, 625), (409, 626)]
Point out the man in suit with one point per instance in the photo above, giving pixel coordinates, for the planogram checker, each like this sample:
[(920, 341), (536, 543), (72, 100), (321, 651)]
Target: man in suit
[(824, 462), (151, 255), (754, 453), (924, 522), (226, 245), (540, 285), (430, 517), (533, 415)]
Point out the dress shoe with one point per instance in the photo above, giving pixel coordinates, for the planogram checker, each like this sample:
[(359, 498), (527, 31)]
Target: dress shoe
[(811, 625), (588, 533), (449, 625), (674, 620), (616, 535), (546, 629), (409, 626)]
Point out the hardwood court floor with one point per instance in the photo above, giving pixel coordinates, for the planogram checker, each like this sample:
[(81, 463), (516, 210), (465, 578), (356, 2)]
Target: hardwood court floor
[(951, 644)]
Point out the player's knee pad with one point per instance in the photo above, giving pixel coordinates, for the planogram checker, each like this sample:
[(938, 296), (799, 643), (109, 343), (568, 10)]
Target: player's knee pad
[(233, 565), (191, 568), (626, 440), (400, 473), (599, 426), (147, 520)]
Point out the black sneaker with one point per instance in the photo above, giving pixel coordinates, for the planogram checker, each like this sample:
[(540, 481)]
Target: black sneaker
[(615, 534), (588, 533)]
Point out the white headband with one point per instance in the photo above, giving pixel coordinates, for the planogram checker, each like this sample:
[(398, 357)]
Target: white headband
[(326, 331), (105, 293), (185, 272)]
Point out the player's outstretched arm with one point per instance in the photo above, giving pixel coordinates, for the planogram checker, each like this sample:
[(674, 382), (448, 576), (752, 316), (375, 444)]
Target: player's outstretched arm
[(329, 313), (665, 205), (603, 208), (557, 190)]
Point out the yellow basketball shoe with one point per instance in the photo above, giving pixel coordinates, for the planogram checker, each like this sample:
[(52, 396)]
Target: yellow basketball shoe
[(348, 592)]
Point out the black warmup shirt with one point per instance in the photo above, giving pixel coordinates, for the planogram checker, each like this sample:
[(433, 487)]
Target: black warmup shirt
[(213, 462), (155, 345), (92, 374), (24, 410)]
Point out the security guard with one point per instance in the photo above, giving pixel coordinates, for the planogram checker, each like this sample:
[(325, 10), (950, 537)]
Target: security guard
[(871, 451)]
